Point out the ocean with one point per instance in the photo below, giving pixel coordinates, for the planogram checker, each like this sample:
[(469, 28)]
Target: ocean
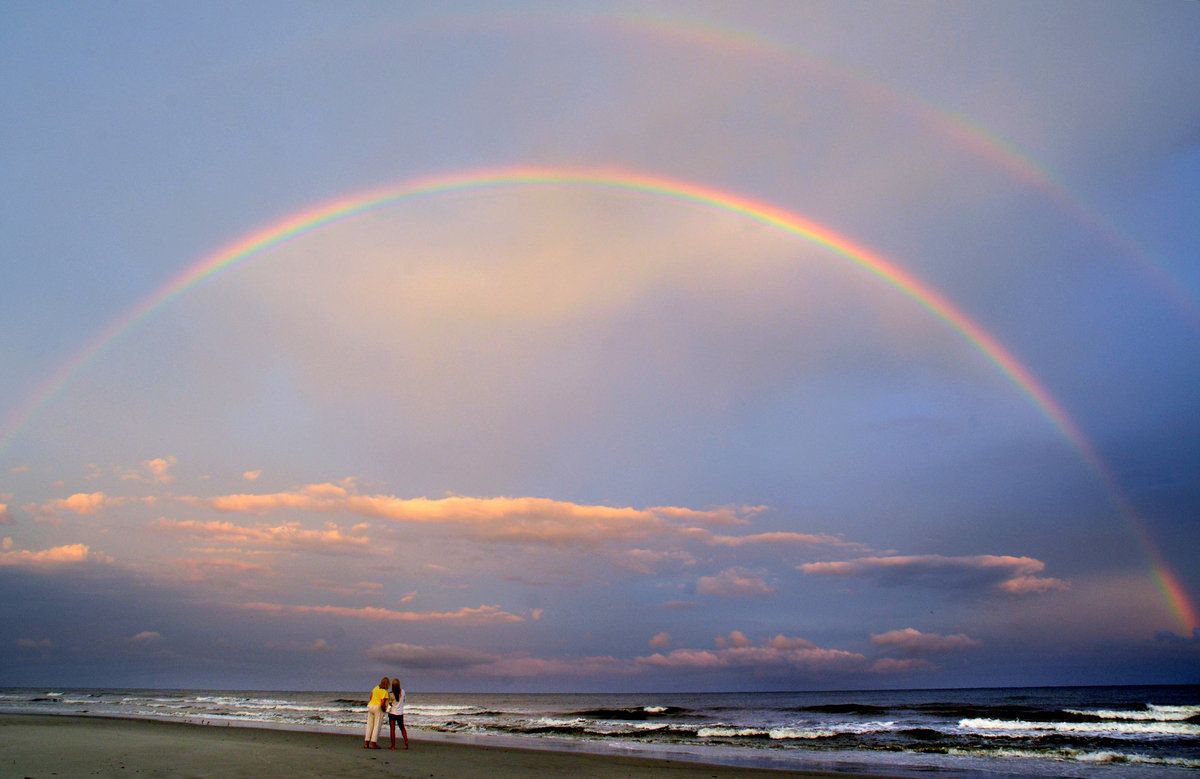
[(1052, 731)]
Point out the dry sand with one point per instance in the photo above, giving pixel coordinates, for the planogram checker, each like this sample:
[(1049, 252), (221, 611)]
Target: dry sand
[(44, 746)]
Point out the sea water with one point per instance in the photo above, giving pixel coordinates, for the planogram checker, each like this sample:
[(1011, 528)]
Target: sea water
[(1057, 731)]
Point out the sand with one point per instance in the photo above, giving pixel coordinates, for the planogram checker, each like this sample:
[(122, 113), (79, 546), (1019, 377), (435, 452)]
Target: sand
[(43, 746)]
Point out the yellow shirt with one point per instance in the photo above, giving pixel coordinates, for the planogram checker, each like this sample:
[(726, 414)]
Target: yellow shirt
[(379, 696)]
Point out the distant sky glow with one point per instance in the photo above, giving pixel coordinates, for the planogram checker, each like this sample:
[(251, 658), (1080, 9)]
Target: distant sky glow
[(627, 346)]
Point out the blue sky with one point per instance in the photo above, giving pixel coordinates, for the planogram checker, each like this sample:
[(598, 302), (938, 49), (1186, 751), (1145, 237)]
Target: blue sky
[(563, 437)]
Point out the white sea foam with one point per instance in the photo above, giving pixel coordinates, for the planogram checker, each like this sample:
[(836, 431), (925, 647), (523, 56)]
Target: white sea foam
[(1151, 712), (1101, 757), (1114, 729), (725, 731), (442, 710), (782, 734), (654, 709)]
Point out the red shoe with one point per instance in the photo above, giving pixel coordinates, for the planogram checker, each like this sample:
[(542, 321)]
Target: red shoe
[(374, 745)]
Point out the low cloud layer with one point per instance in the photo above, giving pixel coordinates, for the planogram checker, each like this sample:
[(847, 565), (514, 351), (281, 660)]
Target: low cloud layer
[(287, 536), (1012, 575), (911, 641), (524, 519), (481, 615), (68, 554)]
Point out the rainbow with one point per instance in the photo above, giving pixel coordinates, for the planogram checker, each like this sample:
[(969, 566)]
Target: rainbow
[(889, 272), (999, 153)]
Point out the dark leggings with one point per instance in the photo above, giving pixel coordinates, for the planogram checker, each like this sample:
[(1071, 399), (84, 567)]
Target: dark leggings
[(393, 721)]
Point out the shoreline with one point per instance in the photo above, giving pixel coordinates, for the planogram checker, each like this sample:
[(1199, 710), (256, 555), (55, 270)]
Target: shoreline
[(97, 745)]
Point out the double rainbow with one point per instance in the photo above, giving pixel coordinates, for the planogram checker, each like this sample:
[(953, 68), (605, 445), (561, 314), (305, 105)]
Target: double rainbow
[(859, 256)]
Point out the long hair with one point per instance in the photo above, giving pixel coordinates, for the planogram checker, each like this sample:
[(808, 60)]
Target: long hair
[(396, 687)]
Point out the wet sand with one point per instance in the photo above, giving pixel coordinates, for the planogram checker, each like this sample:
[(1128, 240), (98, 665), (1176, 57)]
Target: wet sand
[(44, 746)]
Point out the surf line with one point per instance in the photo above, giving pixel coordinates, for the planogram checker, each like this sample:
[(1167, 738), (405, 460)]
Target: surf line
[(885, 270)]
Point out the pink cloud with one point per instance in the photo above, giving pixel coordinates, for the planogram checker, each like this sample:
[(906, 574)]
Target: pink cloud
[(146, 637), (1013, 575), (1031, 585), (223, 566), (736, 639), (436, 657), (725, 515), (482, 615), (891, 665), (734, 652), (86, 503), (6, 517), (496, 518), (251, 475), (287, 536), (160, 467), (58, 555), (660, 640), (914, 642), (781, 537), (734, 582), (648, 561), (473, 662), (737, 651)]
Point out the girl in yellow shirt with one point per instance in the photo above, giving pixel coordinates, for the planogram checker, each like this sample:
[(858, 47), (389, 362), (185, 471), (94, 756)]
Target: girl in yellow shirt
[(375, 711)]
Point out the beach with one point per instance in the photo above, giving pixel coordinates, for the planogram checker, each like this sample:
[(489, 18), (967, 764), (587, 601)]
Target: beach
[(48, 745)]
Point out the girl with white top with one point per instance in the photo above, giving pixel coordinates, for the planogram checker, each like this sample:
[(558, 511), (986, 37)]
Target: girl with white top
[(395, 712)]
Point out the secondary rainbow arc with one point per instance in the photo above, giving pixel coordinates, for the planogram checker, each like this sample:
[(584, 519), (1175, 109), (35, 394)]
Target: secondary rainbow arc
[(789, 222)]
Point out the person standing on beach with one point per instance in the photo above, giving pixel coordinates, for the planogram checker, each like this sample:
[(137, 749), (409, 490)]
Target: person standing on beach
[(375, 709), (395, 712)]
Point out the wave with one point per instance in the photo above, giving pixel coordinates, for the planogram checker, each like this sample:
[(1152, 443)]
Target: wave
[(841, 708), (634, 713), (1107, 729), (1151, 712), (1095, 757)]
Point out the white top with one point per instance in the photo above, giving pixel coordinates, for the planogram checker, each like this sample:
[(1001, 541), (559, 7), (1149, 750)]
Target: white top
[(397, 706)]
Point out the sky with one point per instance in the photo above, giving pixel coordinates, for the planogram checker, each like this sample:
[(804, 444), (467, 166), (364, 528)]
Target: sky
[(611, 346)]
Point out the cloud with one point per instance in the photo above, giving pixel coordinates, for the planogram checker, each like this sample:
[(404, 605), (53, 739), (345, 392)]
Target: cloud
[(736, 651), (146, 637), (913, 642), (29, 643), (494, 518), (1032, 585), (6, 517), (734, 582), (1169, 637), (482, 615), (891, 665), (19, 469), (472, 662), (86, 503), (732, 652), (223, 566), (648, 561), (58, 555), (289, 536), (251, 475), (780, 537), (1013, 575), (434, 657), (726, 515)]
